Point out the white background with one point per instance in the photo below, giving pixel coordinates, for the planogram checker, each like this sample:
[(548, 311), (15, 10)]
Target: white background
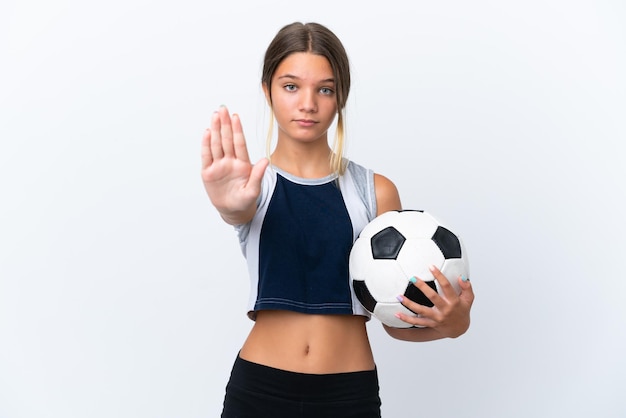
[(122, 294)]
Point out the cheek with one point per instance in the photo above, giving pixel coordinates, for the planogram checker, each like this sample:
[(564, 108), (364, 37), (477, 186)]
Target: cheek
[(282, 104), (330, 103), (283, 111), (332, 108)]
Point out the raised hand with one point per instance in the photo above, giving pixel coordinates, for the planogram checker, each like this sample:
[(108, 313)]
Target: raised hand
[(231, 181)]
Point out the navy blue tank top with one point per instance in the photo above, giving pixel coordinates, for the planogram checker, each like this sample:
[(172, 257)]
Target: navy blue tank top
[(298, 244)]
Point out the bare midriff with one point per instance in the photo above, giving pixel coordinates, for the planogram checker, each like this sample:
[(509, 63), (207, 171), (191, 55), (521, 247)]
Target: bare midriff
[(306, 343)]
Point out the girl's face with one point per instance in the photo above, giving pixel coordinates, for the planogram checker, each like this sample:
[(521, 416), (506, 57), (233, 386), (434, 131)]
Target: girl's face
[(303, 97)]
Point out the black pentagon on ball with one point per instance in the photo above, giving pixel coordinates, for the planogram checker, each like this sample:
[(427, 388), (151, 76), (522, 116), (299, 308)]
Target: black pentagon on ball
[(386, 244), (363, 295), (447, 242), (412, 292)]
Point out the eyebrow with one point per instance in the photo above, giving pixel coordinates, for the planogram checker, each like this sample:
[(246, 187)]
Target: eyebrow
[(294, 77)]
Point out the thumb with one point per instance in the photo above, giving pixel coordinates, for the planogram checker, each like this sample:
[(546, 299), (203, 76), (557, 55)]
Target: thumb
[(256, 174)]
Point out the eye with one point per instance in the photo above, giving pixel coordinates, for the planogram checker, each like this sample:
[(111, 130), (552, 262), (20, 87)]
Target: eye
[(290, 87), (327, 91)]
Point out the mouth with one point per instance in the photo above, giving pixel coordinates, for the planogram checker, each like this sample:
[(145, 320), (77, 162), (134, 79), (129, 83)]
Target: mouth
[(305, 122)]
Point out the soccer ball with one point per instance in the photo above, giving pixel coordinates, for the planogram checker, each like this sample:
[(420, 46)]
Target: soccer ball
[(396, 246)]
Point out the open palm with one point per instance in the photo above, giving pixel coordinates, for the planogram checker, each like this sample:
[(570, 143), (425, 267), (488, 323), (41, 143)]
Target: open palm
[(231, 181)]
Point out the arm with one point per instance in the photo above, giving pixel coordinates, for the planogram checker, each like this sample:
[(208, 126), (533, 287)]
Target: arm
[(450, 315), (387, 196), (230, 180)]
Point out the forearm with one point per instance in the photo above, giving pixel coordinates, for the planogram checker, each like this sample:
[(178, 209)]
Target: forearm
[(421, 334), (417, 335)]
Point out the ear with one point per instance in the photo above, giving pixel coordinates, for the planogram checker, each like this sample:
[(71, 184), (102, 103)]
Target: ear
[(268, 96)]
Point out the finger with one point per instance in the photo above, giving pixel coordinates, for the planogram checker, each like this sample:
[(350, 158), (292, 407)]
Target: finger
[(444, 284), (428, 291), (416, 321), (421, 320), (467, 291), (240, 148), (226, 131), (205, 149), (216, 138), (426, 316)]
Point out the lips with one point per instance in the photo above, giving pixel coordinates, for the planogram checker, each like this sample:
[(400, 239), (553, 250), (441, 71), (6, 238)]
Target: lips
[(305, 122)]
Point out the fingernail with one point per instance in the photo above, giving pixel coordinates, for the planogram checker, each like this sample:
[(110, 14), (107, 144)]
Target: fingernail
[(464, 278), (432, 268), (413, 280), (400, 298)]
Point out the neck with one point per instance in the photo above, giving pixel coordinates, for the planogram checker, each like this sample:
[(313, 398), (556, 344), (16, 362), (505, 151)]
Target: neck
[(304, 160)]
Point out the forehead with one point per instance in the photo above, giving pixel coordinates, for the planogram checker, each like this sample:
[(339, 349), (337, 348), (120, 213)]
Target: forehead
[(305, 66)]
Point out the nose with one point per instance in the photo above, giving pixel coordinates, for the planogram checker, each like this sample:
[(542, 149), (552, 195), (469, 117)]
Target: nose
[(308, 101)]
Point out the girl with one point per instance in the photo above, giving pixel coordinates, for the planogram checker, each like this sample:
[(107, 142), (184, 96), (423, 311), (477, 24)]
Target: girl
[(297, 214)]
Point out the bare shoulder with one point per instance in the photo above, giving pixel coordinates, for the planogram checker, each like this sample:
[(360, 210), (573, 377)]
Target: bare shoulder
[(387, 195)]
